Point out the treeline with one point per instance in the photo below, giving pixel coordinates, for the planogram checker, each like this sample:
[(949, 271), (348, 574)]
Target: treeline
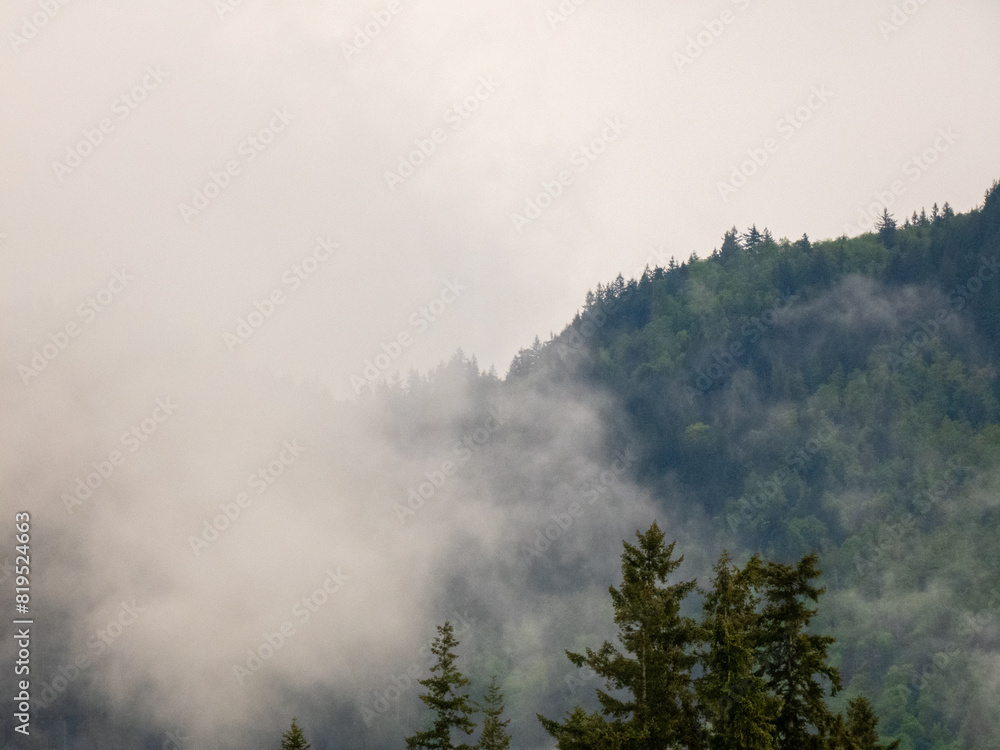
[(748, 676), (838, 396)]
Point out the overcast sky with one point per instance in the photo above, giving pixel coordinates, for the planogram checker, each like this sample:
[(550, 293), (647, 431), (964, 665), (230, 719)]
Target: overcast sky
[(691, 93)]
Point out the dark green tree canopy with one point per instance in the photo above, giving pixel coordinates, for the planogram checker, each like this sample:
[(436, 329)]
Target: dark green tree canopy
[(737, 710), (494, 735), (761, 676), (452, 709), (655, 669), (293, 739)]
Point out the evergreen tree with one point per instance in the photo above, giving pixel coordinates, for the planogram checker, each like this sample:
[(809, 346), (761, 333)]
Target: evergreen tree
[(761, 679), (585, 731), (293, 739), (526, 360), (451, 709), (731, 245), (792, 659), (886, 226), (861, 729), (660, 709), (494, 735), (752, 238), (739, 714)]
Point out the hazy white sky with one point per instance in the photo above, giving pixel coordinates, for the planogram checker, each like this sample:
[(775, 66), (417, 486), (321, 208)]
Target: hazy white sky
[(504, 97)]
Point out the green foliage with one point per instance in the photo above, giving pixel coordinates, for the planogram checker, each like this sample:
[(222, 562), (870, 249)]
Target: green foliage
[(861, 729), (760, 686), (494, 735), (792, 659), (293, 739), (838, 396), (705, 357), (451, 709), (655, 669), (737, 711)]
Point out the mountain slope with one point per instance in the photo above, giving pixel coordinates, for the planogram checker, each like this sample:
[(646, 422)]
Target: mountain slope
[(839, 396)]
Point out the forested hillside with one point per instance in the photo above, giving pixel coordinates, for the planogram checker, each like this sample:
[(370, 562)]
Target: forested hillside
[(838, 396), (776, 398)]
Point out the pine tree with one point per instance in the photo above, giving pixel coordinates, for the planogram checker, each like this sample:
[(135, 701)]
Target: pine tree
[(451, 709), (494, 735), (792, 659), (293, 739), (739, 714), (660, 711)]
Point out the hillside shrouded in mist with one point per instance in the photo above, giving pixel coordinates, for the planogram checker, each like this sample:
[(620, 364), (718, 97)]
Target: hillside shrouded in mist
[(324, 324), (221, 548)]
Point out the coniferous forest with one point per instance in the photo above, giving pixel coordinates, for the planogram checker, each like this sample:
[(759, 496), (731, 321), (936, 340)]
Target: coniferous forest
[(797, 442), (761, 677), (835, 398), (831, 410)]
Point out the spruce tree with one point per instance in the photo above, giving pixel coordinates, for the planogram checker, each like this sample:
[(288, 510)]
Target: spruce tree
[(751, 238), (886, 226), (792, 660), (655, 669), (494, 735), (733, 699), (861, 729), (451, 708), (732, 245), (293, 739)]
